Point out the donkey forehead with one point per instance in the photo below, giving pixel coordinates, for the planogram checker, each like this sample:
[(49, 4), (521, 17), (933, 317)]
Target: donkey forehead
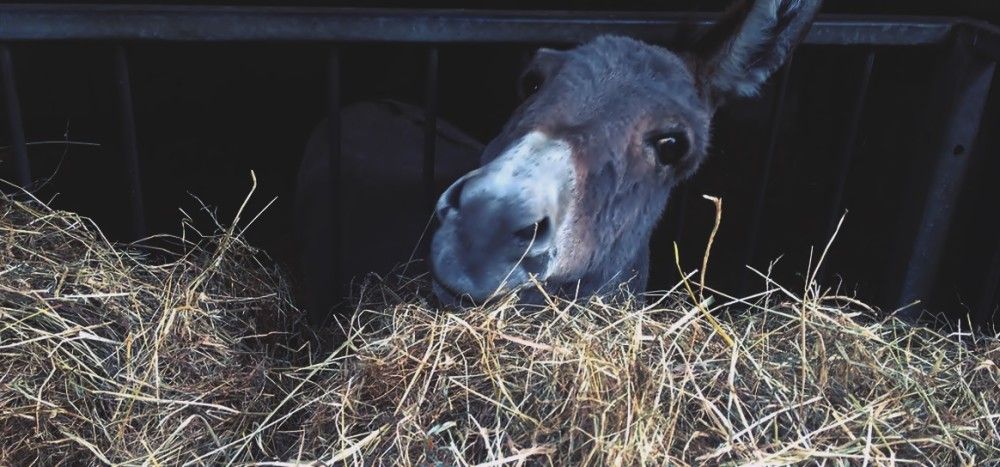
[(631, 58), (623, 79)]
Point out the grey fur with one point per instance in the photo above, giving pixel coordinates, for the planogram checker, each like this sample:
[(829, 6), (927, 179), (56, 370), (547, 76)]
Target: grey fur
[(606, 99)]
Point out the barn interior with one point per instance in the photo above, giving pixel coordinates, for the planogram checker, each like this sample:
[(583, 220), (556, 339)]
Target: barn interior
[(844, 128)]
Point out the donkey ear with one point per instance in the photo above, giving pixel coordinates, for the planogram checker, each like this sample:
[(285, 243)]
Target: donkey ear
[(752, 40)]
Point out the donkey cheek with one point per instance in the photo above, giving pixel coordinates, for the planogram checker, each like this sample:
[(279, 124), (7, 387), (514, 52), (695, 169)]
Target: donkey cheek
[(574, 247)]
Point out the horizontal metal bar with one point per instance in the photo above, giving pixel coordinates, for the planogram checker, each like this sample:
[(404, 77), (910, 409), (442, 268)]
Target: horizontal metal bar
[(50, 22)]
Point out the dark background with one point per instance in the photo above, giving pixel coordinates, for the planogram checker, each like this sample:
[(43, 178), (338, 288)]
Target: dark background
[(208, 114)]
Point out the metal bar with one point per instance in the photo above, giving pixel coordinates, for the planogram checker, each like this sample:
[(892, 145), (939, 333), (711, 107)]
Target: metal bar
[(777, 115), (989, 300), (250, 23), (959, 100), (679, 202), (850, 144), (15, 126), (430, 125), (986, 39), (129, 146), (333, 104)]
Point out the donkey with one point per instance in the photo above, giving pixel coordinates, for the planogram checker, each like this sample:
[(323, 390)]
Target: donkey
[(572, 187)]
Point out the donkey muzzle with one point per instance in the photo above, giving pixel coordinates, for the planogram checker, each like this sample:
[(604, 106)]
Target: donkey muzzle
[(500, 224)]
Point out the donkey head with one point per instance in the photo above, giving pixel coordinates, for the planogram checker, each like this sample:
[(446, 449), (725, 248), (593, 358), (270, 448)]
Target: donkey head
[(571, 188)]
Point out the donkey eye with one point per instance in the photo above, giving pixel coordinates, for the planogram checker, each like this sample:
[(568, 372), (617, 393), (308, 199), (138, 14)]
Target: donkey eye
[(531, 83), (670, 147)]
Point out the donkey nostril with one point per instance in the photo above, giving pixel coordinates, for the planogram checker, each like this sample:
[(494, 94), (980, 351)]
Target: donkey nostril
[(543, 229), (537, 232), (450, 200), (526, 234)]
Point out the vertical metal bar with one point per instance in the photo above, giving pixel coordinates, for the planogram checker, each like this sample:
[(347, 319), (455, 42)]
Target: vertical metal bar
[(430, 125), (679, 203), (15, 126), (850, 144), (777, 115), (129, 146), (334, 147), (959, 100), (990, 298), (675, 225)]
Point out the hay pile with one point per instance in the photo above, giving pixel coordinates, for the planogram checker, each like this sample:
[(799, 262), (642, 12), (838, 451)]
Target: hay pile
[(114, 355), (110, 354)]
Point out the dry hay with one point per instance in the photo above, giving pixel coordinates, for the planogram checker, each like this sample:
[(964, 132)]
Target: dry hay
[(114, 355)]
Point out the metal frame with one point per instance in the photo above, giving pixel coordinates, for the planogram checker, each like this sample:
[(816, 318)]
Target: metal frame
[(956, 110), (975, 49), (760, 199), (19, 147), (129, 144), (228, 24)]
